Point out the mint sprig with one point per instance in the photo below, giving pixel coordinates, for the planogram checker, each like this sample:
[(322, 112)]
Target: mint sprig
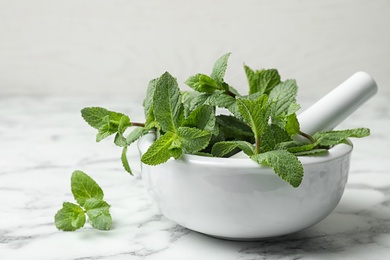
[(89, 197), (261, 123)]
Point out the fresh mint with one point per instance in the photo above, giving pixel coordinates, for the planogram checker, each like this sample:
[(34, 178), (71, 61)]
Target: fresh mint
[(261, 123), (221, 149), (89, 197), (284, 163), (70, 218), (167, 107), (261, 81), (162, 149), (256, 114)]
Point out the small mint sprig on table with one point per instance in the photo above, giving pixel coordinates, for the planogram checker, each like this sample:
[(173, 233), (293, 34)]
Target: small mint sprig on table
[(89, 197)]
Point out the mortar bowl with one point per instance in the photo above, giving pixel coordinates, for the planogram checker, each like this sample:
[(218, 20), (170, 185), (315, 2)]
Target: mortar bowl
[(238, 199)]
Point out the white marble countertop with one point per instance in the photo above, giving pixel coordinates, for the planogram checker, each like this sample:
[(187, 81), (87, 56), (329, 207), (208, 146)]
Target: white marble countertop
[(43, 140)]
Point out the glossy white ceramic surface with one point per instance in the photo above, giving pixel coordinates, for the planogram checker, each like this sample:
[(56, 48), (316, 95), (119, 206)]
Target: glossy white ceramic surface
[(238, 199)]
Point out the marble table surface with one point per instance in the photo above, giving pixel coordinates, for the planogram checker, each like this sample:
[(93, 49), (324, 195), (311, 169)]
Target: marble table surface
[(44, 139)]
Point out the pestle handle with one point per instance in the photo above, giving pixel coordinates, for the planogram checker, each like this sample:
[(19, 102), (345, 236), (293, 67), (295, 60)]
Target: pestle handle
[(338, 104)]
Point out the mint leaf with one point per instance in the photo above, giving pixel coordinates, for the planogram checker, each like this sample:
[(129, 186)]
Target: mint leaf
[(70, 217), (256, 114), (292, 125), (220, 99), (225, 148), (209, 84), (288, 144), (105, 121), (285, 164), (283, 95), (150, 120), (272, 136), (94, 116), (302, 148), (148, 101), (193, 100), (131, 137), (124, 160), (193, 139), (136, 134), (202, 83), (98, 213), (84, 187), (203, 118), (234, 129), (124, 123), (219, 69), (162, 149), (312, 152), (330, 138), (261, 81), (167, 106)]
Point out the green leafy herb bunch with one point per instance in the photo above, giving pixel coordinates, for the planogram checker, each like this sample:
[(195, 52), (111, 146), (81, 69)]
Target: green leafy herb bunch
[(261, 123)]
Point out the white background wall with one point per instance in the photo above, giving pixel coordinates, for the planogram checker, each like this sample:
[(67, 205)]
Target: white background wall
[(114, 47)]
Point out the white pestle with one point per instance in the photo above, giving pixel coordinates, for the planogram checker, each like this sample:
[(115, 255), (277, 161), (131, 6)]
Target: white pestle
[(338, 104), (334, 107)]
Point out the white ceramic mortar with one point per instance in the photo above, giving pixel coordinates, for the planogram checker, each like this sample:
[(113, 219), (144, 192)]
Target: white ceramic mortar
[(235, 198)]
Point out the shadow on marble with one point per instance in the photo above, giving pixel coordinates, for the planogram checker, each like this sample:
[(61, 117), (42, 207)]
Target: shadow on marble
[(339, 232)]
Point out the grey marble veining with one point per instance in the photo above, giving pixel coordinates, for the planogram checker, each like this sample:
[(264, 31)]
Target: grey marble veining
[(42, 140)]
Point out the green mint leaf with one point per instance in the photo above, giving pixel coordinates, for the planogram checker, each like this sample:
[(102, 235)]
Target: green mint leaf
[(131, 137), (312, 152), (262, 81), (234, 129), (202, 83), (124, 160), (220, 99), (70, 217), (167, 107), (203, 154), (283, 95), (203, 118), (105, 121), (193, 139), (288, 144), (285, 164), (193, 100), (106, 129), (225, 148), (120, 140), (94, 115), (84, 187), (301, 148), (293, 108), (98, 213), (124, 123), (136, 134), (219, 69), (272, 136), (162, 149), (255, 113), (148, 101), (150, 120), (292, 125), (234, 91), (330, 138)]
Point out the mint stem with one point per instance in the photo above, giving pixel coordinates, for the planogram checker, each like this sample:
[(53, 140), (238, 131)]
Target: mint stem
[(309, 137), (257, 148), (137, 124), (231, 93)]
